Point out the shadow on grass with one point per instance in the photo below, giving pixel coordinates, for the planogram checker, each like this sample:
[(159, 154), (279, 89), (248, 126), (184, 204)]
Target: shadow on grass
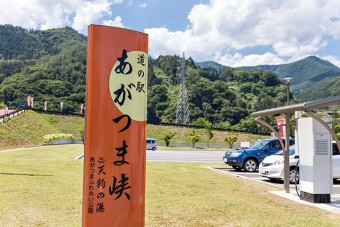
[(27, 174)]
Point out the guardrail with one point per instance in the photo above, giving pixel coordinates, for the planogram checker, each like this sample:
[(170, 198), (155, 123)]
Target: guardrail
[(10, 114), (57, 112)]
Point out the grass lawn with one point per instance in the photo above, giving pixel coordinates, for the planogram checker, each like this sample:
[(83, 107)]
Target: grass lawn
[(43, 187)]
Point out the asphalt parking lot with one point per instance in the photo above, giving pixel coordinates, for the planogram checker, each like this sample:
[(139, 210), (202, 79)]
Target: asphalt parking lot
[(256, 176), (334, 206)]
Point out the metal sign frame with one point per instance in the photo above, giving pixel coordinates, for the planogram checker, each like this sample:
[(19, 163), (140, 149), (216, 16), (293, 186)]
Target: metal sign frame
[(307, 108)]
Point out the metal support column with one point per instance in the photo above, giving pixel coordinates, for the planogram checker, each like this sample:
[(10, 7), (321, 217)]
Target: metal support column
[(286, 154)]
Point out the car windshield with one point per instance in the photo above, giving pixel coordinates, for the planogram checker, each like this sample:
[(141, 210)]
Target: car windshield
[(291, 152), (259, 144)]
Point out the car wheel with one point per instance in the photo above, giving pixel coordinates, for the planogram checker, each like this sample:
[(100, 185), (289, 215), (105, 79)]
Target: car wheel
[(250, 165), (294, 174), (153, 148)]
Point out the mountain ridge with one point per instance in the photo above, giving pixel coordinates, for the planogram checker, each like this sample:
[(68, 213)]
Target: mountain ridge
[(311, 69)]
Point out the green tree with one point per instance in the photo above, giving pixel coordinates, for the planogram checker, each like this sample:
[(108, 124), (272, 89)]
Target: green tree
[(337, 129), (248, 124), (223, 125), (231, 138), (2, 77), (199, 121), (208, 126), (158, 102), (194, 137), (167, 137)]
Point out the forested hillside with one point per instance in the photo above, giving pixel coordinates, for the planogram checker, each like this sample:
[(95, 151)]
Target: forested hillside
[(310, 69), (51, 66), (48, 65), (323, 89), (309, 76), (222, 96)]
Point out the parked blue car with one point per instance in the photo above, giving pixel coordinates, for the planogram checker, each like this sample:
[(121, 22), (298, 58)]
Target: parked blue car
[(249, 159)]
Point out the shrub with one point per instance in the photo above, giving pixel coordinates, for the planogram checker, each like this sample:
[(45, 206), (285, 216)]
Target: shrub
[(194, 137), (168, 137), (230, 139), (54, 137)]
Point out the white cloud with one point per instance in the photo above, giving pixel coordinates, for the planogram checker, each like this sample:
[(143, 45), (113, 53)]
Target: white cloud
[(333, 59), (250, 60), (221, 29), (117, 22), (89, 12), (36, 14), (44, 14), (296, 49), (143, 5)]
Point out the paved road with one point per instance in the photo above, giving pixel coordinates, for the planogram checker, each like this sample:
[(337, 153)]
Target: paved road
[(184, 156)]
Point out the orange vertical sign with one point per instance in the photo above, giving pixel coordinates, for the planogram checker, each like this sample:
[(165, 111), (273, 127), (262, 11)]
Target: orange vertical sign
[(281, 124), (29, 98), (115, 139)]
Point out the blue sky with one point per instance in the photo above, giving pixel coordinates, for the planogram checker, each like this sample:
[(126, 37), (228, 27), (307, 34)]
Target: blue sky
[(230, 32), (171, 14)]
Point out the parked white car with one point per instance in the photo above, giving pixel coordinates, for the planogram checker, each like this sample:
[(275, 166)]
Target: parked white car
[(272, 166)]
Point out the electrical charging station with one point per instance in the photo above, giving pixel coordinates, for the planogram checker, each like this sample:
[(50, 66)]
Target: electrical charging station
[(316, 178)]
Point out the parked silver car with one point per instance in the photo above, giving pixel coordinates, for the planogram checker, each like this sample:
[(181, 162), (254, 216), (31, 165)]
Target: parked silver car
[(272, 166)]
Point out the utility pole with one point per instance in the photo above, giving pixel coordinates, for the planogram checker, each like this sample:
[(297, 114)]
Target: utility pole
[(182, 112)]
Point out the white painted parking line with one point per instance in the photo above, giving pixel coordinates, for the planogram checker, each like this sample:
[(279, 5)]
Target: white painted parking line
[(259, 178), (334, 206)]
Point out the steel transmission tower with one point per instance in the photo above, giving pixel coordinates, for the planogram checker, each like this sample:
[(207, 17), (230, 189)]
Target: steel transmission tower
[(182, 112)]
